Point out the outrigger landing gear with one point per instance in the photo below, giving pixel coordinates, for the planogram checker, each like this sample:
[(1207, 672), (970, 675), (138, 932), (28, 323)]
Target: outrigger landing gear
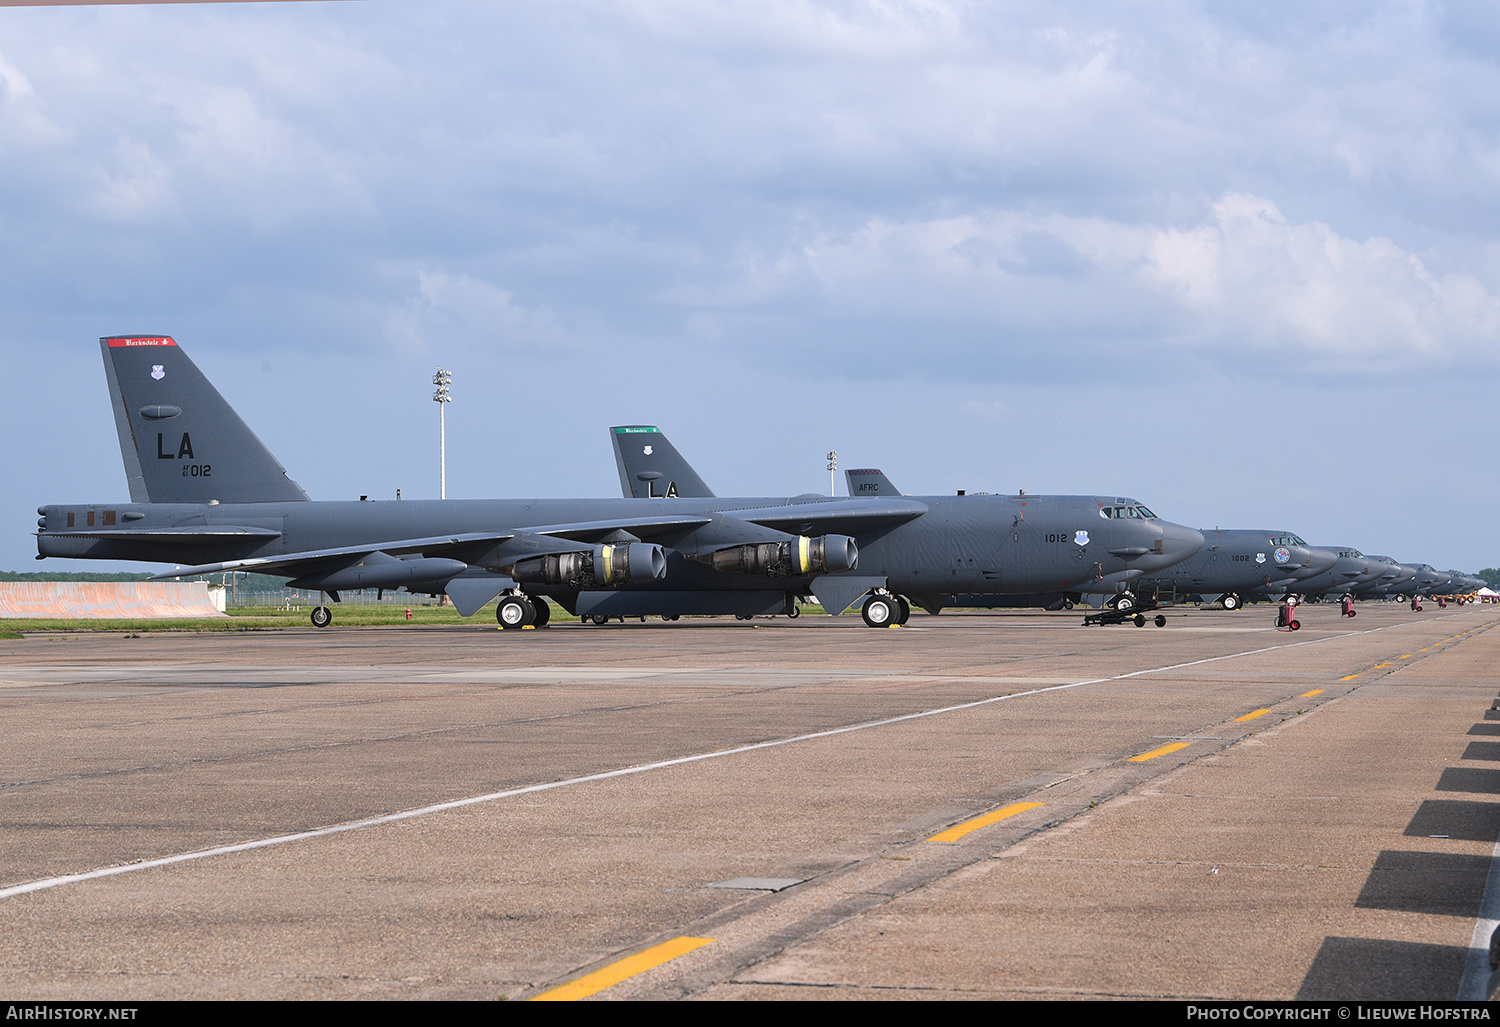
[(1127, 607), (322, 616)]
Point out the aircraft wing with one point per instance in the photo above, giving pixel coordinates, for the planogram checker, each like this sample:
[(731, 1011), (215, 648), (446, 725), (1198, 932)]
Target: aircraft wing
[(848, 516), (598, 531), (495, 548), (295, 565)]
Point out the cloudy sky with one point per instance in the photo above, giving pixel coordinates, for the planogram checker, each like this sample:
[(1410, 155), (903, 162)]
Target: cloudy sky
[(1244, 267)]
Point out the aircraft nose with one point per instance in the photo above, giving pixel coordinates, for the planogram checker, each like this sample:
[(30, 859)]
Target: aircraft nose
[(1316, 561), (1180, 542), (1176, 543)]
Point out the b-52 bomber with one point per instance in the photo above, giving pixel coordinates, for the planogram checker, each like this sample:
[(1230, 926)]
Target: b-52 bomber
[(206, 495), (1099, 545), (1231, 563), (1236, 562)]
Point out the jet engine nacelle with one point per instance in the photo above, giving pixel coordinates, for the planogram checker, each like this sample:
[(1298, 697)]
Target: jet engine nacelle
[(795, 558), (599, 567)]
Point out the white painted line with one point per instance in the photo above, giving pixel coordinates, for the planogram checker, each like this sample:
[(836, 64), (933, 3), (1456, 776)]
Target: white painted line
[(1474, 986), (390, 818)]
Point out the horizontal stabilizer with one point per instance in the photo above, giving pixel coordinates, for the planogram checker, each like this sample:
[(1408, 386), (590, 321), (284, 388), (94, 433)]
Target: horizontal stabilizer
[(199, 534)]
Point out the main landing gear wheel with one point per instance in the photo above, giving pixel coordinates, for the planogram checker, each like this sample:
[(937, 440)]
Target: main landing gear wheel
[(1229, 601), (598, 618), (880, 612), (905, 609), (543, 611), (321, 617), (515, 612)]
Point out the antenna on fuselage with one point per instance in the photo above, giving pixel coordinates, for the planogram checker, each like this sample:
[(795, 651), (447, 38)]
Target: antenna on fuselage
[(833, 465)]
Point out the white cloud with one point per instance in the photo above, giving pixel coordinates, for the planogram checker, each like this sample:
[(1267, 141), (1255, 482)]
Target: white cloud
[(449, 312), (1257, 280)]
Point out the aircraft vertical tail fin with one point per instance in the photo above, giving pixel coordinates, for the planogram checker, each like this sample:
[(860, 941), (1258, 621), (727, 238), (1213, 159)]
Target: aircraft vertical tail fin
[(870, 481), (651, 468), (181, 442)]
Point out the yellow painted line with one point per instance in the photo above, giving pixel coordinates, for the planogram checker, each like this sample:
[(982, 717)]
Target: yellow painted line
[(628, 967), (1346, 677), (1379, 665), (1407, 656), (1253, 715), (957, 831), (1143, 757), (1319, 691)]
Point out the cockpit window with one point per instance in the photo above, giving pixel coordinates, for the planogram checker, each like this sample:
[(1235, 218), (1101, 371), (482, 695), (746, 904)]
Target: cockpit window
[(1286, 540), (1120, 513)]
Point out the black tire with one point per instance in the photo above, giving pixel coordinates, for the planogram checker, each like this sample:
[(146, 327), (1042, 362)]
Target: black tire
[(1067, 604), (598, 618), (515, 612), (793, 610), (1140, 620), (543, 611), (879, 612), (1295, 625), (1229, 601), (1161, 620), (322, 616), (905, 608), (1125, 602)]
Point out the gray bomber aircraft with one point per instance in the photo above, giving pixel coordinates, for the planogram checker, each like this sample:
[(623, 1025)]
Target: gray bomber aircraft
[(1237, 562), (1231, 563), (1078, 544), (1350, 570), (206, 493)]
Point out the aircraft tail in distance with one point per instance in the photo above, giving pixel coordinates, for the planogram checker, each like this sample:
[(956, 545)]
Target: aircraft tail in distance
[(869, 481), (651, 468)]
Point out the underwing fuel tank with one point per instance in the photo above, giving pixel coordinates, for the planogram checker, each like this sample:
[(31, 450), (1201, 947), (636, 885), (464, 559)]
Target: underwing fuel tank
[(794, 558), (600, 567), (389, 572)]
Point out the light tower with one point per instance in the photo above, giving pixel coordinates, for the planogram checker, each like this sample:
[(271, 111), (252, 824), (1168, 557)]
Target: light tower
[(442, 380), (833, 465)]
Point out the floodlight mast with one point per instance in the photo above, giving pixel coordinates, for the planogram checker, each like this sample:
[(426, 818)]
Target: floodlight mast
[(441, 397), (833, 465)]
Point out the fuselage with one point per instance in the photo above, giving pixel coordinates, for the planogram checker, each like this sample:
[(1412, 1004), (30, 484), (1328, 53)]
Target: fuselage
[(960, 544)]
